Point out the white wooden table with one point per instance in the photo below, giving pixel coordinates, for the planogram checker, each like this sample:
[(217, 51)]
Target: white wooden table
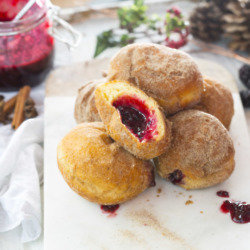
[(90, 28)]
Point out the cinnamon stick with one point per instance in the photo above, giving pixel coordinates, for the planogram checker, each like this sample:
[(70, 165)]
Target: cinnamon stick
[(2, 103), (22, 96), (9, 106)]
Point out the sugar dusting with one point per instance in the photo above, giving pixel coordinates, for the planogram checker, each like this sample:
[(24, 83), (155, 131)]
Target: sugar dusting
[(131, 236), (144, 217)]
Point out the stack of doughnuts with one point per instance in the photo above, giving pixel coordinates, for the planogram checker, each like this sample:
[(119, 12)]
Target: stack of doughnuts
[(153, 111)]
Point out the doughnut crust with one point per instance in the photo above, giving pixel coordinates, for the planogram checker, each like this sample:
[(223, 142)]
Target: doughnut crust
[(85, 108), (170, 76), (98, 169), (157, 134), (217, 100), (201, 149)]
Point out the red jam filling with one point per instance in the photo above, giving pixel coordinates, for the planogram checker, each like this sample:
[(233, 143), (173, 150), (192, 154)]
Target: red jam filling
[(10, 8), (223, 194), (239, 211), (137, 117), (110, 209), (27, 57), (176, 177)]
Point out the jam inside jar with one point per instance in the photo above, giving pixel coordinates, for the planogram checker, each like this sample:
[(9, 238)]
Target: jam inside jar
[(26, 46)]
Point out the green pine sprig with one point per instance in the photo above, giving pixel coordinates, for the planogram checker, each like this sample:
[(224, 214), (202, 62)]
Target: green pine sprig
[(129, 18), (108, 39), (104, 40), (132, 17)]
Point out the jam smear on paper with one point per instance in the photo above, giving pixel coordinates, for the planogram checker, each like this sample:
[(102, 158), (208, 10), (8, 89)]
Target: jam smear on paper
[(110, 209), (223, 194), (239, 211)]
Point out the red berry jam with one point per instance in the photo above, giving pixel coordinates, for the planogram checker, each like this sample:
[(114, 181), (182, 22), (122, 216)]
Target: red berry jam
[(223, 194), (26, 56), (176, 177), (111, 209), (240, 211), (137, 117), (10, 8)]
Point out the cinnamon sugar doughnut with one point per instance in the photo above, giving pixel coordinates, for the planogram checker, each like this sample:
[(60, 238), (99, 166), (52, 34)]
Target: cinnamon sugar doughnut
[(217, 100), (170, 76), (133, 119), (85, 108), (201, 153), (98, 169)]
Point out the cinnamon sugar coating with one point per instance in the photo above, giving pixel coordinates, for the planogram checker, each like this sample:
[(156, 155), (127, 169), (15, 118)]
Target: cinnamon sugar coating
[(98, 169), (217, 100), (168, 75), (85, 108), (106, 94), (201, 149)]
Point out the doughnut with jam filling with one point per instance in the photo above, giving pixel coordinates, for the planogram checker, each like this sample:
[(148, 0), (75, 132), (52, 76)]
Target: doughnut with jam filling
[(201, 152), (133, 119), (85, 108), (217, 100), (100, 170), (168, 75)]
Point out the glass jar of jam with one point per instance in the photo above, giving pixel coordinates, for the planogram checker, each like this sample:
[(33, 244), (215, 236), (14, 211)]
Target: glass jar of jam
[(26, 45)]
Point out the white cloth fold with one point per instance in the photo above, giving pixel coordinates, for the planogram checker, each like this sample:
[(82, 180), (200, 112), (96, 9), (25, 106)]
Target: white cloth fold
[(21, 171)]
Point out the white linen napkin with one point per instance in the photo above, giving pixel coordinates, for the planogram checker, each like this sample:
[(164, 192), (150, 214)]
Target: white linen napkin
[(21, 171)]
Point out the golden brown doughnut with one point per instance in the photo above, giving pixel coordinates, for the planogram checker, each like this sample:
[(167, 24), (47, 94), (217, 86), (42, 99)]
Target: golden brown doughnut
[(170, 76), (85, 108), (217, 100), (98, 169), (133, 119), (201, 153)]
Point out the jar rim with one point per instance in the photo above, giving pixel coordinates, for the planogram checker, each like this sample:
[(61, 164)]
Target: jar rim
[(8, 28)]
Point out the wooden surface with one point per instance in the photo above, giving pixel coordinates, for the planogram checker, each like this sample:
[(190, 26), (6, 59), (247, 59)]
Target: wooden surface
[(70, 3), (66, 80)]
